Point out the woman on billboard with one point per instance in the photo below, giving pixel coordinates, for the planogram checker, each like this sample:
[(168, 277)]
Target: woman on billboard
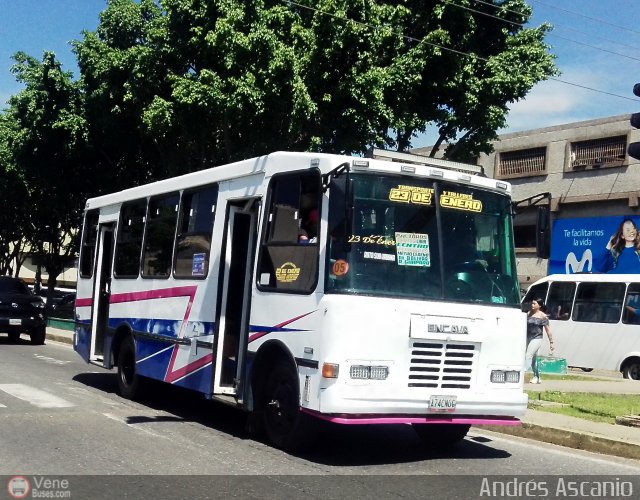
[(623, 250)]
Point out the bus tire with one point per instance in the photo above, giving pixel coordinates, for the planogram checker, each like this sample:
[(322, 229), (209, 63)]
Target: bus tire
[(631, 369), (38, 335), (14, 337), (128, 378), (285, 425), (444, 435)]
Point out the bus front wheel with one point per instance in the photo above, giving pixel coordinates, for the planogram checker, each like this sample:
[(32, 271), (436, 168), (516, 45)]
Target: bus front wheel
[(286, 426), (128, 379), (631, 369), (441, 434)]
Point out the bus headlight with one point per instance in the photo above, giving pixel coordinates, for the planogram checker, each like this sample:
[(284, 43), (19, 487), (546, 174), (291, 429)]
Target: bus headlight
[(369, 372), (505, 376)]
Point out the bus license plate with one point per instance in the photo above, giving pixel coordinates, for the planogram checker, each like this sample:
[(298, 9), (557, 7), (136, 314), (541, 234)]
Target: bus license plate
[(15, 322), (442, 403)]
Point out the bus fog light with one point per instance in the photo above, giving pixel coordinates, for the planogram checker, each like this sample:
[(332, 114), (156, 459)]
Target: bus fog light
[(513, 376), (359, 371), (369, 372), (379, 372), (505, 376)]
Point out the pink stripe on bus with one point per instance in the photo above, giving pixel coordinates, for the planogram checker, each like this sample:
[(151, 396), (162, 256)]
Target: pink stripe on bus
[(382, 419), (185, 370)]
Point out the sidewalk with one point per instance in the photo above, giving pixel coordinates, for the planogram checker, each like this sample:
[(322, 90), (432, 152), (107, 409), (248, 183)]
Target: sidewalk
[(618, 440)]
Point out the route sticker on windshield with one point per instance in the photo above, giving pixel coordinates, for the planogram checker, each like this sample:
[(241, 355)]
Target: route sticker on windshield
[(287, 272), (412, 249), (411, 194), (460, 201), (340, 267), (379, 256)]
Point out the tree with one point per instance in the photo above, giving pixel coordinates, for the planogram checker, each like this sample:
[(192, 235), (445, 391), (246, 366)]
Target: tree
[(178, 85), (14, 215), (49, 151)]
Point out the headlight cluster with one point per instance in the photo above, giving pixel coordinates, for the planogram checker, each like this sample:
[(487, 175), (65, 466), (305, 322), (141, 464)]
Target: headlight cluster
[(505, 376)]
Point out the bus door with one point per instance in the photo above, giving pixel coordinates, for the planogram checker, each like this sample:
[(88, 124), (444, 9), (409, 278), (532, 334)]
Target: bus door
[(233, 322), (101, 291)]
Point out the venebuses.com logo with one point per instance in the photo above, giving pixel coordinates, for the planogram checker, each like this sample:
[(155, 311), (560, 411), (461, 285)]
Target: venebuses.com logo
[(38, 487), (18, 487)]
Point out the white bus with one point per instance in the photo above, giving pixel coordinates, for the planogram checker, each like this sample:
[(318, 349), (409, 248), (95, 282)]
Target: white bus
[(402, 306), (593, 319)]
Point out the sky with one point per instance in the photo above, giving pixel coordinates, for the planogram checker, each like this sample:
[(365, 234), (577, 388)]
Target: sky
[(597, 44)]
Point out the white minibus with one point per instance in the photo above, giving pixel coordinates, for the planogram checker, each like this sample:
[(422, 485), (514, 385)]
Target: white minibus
[(594, 319)]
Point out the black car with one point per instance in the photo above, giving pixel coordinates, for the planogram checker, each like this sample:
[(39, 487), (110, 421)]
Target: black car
[(63, 307), (21, 311)]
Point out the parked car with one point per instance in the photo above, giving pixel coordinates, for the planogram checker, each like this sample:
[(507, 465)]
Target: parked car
[(63, 307), (21, 311)]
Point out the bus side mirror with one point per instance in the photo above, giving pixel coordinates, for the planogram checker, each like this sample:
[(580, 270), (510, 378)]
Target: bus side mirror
[(543, 233)]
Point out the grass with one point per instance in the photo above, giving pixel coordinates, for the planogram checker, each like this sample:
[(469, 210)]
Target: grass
[(590, 406), (547, 376)]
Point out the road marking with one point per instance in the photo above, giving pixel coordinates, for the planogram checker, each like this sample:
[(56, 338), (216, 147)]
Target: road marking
[(36, 397), (52, 361), (137, 427), (2, 406)]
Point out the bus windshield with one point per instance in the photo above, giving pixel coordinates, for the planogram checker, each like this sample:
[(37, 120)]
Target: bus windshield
[(418, 238)]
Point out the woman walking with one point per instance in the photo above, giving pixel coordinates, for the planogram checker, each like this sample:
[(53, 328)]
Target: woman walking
[(537, 321)]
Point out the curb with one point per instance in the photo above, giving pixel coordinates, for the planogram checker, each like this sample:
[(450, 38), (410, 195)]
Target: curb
[(59, 338), (570, 439), (629, 420)]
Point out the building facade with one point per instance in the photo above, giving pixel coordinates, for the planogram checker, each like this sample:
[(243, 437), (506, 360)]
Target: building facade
[(593, 184)]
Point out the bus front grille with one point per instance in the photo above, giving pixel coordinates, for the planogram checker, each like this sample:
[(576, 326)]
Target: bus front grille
[(441, 365)]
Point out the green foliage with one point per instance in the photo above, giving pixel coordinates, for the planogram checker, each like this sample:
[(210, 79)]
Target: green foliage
[(46, 146), (13, 189), (172, 86), (178, 85), (590, 406)]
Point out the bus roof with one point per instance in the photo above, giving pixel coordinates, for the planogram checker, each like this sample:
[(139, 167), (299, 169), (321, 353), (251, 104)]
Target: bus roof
[(589, 278), (282, 161)]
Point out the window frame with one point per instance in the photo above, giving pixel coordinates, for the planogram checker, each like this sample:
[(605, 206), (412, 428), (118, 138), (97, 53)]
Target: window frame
[(145, 237), (577, 314), (84, 245), (117, 248), (265, 240), (179, 225)]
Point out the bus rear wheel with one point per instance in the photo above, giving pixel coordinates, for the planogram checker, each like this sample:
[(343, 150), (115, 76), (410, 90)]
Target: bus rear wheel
[(128, 379), (441, 434), (631, 369), (285, 425)]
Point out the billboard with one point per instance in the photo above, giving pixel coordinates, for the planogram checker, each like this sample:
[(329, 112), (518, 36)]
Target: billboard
[(596, 245)]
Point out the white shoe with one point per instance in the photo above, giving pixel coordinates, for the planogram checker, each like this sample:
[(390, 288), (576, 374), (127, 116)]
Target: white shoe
[(535, 380)]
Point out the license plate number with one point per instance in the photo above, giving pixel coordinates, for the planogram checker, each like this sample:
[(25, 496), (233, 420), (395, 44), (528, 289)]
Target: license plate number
[(442, 403), (15, 322)]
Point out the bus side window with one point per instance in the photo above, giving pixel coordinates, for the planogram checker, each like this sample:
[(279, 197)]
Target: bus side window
[(288, 262), (631, 314), (157, 250), (538, 291), (560, 300), (195, 226), (599, 302), (129, 239), (88, 247)]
